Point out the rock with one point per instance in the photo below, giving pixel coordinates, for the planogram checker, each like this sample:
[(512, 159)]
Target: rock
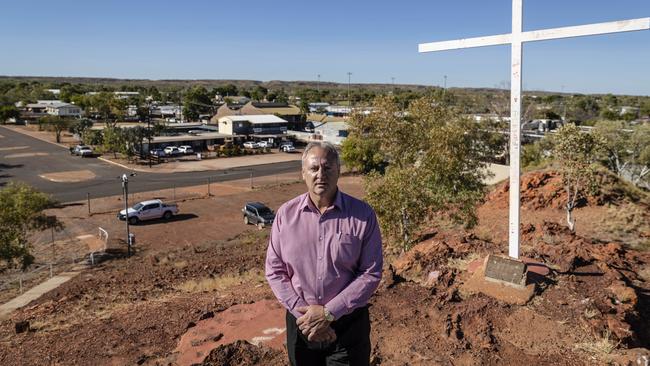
[(619, 329), (209, 314), (22, 327), (622, 293)]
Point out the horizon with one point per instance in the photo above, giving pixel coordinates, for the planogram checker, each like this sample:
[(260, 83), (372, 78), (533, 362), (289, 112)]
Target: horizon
[(375, 43)]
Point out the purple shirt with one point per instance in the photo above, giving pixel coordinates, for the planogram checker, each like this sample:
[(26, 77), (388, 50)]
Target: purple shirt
[(333, 259)]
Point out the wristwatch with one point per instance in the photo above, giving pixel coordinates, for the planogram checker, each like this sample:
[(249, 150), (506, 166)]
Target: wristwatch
[(328, 316)]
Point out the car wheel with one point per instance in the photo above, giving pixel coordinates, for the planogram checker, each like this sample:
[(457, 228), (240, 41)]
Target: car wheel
[(246, 220), (133, 220), (167, 215)]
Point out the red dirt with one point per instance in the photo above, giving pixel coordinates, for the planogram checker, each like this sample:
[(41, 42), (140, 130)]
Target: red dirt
[(137, 310)]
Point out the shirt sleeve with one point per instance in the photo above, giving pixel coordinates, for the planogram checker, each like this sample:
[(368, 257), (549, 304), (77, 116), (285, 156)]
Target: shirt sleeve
[(277, 274), (359, 291)]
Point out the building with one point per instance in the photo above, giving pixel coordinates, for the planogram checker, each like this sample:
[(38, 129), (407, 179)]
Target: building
[(50, 107), (290, 113), (125, 94), (261, 126), (338, 111), (64, 110)]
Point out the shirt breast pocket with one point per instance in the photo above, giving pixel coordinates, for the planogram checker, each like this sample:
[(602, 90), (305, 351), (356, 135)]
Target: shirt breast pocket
[(347, 251)]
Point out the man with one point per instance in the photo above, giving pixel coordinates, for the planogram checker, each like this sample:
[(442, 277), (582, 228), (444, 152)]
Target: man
[(323, 263)]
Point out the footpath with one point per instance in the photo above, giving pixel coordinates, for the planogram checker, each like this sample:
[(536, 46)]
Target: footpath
[(7, 308)]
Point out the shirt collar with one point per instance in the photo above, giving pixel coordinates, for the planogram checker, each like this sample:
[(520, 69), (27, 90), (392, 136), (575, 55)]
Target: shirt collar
[(307, 203)]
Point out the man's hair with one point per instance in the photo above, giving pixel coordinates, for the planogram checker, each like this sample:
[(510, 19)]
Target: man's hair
[(330, 151)]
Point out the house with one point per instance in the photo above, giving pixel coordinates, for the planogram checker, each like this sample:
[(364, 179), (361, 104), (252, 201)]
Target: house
[(289, 113), (125, 94), (262, 126), (50, 107), (64, 110)]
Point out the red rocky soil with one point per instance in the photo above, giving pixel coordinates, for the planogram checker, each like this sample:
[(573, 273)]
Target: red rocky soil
[(593, 308)]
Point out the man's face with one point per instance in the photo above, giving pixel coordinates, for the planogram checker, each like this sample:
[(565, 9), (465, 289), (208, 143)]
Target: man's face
[(320, 172)]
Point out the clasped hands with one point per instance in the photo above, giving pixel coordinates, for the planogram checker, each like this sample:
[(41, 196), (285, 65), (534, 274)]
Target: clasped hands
[(314, 325)]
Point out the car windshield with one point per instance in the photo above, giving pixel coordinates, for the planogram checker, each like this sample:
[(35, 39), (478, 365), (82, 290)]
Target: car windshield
[(264, 211), (138, 206)]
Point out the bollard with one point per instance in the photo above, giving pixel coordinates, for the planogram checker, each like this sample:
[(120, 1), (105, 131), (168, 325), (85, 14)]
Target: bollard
[(174, 192), (251, 179), (88, 199), (209, 187)]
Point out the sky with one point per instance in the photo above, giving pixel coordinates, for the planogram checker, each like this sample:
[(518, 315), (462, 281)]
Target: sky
[(298, 40)]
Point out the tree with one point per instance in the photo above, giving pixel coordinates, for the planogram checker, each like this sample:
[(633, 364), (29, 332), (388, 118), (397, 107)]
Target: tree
[(21, 211), (626, 149), (56, 124), (7, 112), (196, 101), (576, 152), (113, 140), (434, 165), (80, 126)]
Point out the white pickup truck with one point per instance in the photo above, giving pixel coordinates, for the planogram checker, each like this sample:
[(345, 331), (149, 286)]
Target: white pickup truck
[(148, 210)]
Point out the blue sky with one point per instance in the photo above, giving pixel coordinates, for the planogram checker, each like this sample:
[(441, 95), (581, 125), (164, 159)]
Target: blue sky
[(296, 40)]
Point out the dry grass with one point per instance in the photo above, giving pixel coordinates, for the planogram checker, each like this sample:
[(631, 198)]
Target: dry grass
[(627, 223), (599, 348), (461, 264), (222, 282), (591, 313)]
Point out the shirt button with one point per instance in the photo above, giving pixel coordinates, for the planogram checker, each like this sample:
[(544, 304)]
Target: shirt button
[(320, 278), (320, 238), (320, 258), (320, 297)]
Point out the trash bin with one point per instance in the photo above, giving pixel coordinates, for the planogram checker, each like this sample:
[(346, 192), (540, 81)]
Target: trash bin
[(131, 239), (198, 156)]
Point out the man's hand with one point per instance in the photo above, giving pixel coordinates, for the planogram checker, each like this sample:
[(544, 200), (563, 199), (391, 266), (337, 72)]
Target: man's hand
[(327, 335), (313, 322)]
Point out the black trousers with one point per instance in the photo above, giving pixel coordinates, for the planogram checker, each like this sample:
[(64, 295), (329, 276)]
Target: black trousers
[(352, 345)]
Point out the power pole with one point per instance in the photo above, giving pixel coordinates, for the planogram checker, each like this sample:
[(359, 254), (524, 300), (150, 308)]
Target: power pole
[(349, 100), (318, 87)]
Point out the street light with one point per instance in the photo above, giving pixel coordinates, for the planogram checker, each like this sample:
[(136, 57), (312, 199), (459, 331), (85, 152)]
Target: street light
[(125, 188)]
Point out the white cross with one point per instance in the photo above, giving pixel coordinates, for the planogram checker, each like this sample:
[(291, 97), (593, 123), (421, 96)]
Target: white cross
[(516, 39)]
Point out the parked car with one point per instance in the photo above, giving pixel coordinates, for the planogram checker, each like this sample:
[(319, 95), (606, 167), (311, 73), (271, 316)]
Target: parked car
[(262, 144), (82, 150), (158, 153), (287, 147), (148, 210), (250, 145), (172, 150), (257, 213), (186, 149)]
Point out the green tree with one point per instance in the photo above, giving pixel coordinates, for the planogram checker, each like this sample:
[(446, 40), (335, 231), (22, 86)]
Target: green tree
[(78, 127), (7, 112), (434, 165), (576, 152), (55, 123), (626, 149), (196, 101), (21, 211), (113, 140)]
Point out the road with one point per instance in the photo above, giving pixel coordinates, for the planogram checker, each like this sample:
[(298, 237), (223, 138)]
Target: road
[(24, 158)]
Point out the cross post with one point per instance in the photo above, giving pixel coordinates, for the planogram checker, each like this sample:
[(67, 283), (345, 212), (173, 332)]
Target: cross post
[(516, 40)]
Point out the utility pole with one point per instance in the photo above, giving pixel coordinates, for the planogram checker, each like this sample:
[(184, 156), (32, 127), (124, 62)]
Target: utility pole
[(318, 87), (125, 188), (349, 100)]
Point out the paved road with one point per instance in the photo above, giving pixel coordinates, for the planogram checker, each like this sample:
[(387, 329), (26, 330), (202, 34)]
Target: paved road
[(24, 158)]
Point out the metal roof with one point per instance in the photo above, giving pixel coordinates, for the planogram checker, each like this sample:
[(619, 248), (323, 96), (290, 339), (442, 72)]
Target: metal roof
[(255, 118)]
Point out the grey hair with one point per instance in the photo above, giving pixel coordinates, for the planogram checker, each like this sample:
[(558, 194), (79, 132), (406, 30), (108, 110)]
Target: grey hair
[(329, 148)]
